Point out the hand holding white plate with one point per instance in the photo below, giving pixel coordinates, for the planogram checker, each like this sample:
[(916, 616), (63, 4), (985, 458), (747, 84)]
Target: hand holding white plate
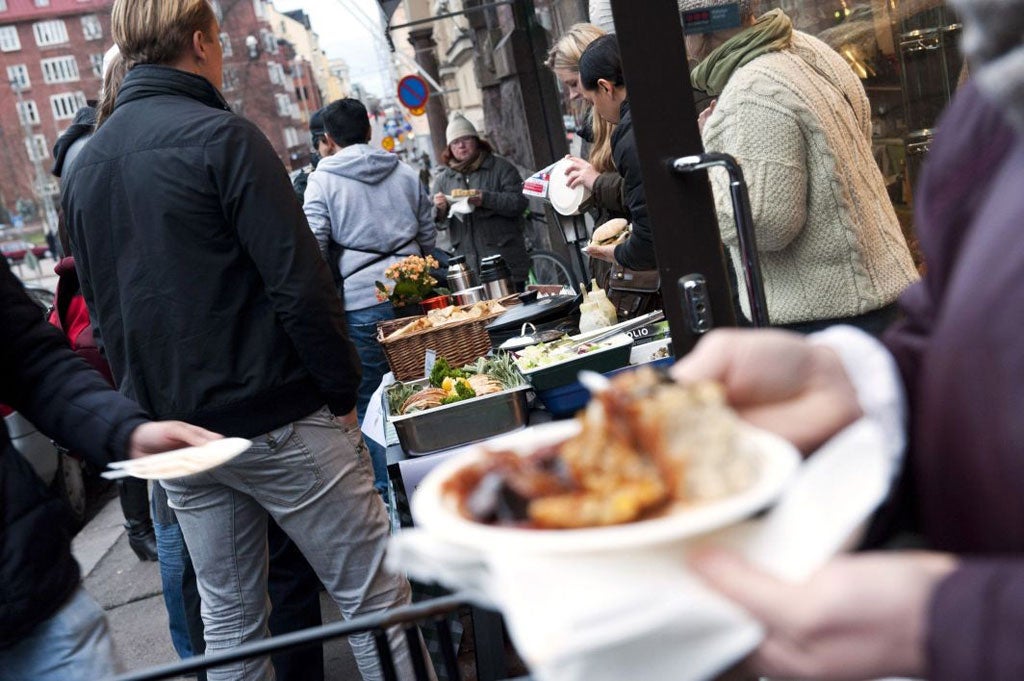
[(776, 459), (180, 462), (565, 199)]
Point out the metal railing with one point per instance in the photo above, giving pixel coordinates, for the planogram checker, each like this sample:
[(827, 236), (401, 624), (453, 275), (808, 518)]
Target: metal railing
[(409, 617)]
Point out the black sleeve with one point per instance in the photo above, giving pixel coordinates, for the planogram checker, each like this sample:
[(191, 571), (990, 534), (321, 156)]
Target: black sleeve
[(259, 201), (637, 252), (53, 387), (507, 198)]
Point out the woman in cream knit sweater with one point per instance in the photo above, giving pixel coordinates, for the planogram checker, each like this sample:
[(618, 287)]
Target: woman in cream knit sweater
[(797, 119)]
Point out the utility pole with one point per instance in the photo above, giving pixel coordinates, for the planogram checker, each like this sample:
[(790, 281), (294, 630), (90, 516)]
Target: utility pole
[(49, 212)]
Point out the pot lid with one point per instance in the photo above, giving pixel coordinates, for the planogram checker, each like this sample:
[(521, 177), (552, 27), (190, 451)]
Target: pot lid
[(545, 309)]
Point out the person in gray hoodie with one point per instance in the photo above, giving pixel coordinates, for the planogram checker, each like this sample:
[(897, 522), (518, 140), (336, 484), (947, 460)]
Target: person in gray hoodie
[(376, 209)]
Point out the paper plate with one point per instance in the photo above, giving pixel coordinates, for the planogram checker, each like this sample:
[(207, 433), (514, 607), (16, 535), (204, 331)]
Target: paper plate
[(777, 461), (566, 200), (181, 462)]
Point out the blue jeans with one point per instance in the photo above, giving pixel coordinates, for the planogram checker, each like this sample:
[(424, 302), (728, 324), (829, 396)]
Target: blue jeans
[(314, 478), (170, 547), (362, 329), (73, 645)]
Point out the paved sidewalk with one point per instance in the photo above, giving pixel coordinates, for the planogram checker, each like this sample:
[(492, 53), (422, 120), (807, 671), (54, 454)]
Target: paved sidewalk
[(130, 592)]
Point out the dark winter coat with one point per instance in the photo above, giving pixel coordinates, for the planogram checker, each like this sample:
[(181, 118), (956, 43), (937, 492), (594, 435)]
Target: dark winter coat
[(637, 252), (496, 226), (200, 271), (66, 399), (961, 354)]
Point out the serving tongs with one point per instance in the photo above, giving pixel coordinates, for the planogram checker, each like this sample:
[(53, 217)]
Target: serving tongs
[(598, 335)]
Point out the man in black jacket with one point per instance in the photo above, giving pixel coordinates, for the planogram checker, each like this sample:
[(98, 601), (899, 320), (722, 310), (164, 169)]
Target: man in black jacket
[(50, 629), (293, 586), (215, 307)]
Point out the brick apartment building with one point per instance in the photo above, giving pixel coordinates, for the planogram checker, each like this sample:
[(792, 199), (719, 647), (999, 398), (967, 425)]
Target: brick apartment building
[(52, 52)]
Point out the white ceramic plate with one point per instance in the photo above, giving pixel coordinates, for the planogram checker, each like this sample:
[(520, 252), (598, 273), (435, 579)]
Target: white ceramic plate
[(181, 462), (565, 199), (777, 461)]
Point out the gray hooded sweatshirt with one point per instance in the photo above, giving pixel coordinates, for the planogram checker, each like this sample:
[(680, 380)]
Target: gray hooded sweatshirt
[(376, 208)]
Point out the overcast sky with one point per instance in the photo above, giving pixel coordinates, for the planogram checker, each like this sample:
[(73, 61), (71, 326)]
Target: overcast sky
[(341, 35)]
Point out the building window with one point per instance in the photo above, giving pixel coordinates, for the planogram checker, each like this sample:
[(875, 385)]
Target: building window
[(230, 79), (28, 113), (96, 62), (50, 32), (225, 45), (218, 12), (276, 72), (9, 41), (238, 106), (17, 75), (92, 29), (60, 70), (284, 104), (37, 148), (66, 104), (3, 5), (269, 42), (291, 137), (42, 3)]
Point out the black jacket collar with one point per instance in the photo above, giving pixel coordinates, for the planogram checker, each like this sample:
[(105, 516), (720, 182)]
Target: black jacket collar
[(151, 80)]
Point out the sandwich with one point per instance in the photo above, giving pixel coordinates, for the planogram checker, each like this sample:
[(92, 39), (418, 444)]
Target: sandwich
[(610, 233)]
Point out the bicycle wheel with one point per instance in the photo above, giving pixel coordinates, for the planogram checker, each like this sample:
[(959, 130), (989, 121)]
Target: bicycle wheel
[(548, 268)]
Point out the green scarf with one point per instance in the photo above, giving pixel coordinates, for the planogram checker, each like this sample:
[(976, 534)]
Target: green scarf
[(771, 33)]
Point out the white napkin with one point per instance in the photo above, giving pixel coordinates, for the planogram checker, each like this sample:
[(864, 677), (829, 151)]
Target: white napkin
[(373, 426), (641, 614), (460, 208)]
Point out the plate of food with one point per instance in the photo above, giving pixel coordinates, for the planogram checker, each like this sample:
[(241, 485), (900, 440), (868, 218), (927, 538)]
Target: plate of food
[(648, 462), (180, 462)]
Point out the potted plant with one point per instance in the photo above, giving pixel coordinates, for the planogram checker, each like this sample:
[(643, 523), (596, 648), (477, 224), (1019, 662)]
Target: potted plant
[(412, 284)]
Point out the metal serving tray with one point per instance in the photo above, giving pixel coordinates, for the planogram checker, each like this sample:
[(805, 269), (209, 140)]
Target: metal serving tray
[(460, 423), (615, 356)]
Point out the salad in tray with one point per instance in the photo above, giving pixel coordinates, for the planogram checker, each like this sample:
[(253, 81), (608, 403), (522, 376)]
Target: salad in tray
[(448, 385), (555, 352)]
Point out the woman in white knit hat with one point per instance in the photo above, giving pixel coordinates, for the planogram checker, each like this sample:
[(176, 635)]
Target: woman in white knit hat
[(796, 117), (494, 188)]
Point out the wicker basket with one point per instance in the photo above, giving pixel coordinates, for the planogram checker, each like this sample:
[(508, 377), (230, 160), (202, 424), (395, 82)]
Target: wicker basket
[(459, 343)]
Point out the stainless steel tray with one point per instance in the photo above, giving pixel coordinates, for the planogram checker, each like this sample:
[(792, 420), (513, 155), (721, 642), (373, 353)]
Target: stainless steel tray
[(460, 423)]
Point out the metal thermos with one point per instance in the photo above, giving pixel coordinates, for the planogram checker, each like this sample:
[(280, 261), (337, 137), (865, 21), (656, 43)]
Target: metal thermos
[(496, 277), (459, 275)]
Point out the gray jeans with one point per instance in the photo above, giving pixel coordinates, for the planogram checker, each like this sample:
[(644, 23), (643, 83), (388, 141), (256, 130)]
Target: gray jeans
[(314, 477)]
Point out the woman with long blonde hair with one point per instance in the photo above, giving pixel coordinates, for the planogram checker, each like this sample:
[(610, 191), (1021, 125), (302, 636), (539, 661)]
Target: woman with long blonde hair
[(564, 61)]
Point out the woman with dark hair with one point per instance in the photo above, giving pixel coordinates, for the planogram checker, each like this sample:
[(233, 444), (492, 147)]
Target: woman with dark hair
[(494, 188), (604, 87), (632, 292)]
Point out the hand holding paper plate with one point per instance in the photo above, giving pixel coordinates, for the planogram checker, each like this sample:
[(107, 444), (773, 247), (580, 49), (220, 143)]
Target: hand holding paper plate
[(565, 199), (180, 462)]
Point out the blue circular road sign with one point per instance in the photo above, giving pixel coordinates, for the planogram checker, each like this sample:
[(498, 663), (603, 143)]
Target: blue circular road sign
[(413, 91)]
